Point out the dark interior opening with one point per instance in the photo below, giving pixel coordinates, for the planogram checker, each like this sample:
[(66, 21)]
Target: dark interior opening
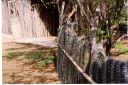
[(48, 12)]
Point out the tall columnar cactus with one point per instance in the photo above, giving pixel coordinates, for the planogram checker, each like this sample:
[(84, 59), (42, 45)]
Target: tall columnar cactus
[(95, 69), (126, 73), (100, 75), (117, 72), (103, 73), (123, 72), (112, 71), (109, 71)]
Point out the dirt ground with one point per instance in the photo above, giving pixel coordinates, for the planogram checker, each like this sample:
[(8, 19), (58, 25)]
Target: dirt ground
[(121, 52), (19, 71)]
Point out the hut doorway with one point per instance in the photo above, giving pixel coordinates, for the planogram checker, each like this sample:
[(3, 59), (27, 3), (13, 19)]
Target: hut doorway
[(48, 13), (53, 19)]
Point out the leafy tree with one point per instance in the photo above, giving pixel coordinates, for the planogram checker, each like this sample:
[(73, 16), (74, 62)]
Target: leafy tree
[(102, 16)]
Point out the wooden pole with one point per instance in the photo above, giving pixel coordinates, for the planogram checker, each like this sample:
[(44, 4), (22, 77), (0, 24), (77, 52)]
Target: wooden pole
[(77, 66)]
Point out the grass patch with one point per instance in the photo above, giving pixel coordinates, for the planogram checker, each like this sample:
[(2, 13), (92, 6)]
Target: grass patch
[(40, 59), (121, 47), (36, 57), (45, 62), (14, 55)]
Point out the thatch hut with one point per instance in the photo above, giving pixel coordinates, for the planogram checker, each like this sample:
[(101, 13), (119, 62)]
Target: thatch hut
[(37, 18)]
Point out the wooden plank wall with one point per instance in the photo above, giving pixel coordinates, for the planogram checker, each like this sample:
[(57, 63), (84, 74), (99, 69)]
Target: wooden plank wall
[(6, 28), (31, 23), (36, 20)]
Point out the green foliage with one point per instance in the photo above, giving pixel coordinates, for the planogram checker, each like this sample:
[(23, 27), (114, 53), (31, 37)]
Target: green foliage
[(121, 47), (100, 35), (114, 13), (14, 55), (86, 31), (45, 62), (36, 56), (40, 59)]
